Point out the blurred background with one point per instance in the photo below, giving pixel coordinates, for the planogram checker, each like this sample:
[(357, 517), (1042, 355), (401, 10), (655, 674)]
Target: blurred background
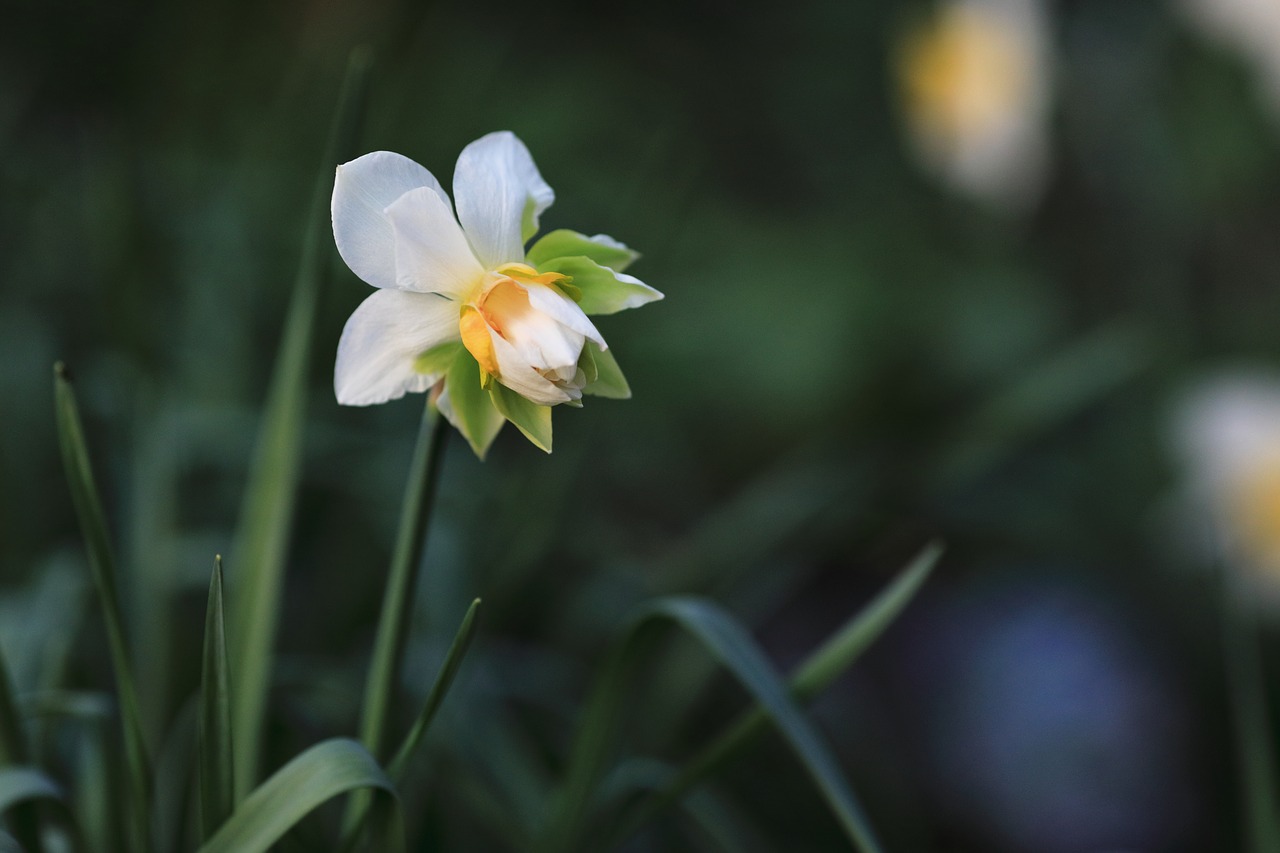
[(932, 270)]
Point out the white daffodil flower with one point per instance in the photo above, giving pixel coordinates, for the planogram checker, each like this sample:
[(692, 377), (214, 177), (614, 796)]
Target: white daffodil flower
[(975, 82), (1228, 432), (461, 307)]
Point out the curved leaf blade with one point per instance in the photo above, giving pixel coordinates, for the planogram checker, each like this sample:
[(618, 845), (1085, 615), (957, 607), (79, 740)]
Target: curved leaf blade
[(324, 771), (813, 675), (84, 495), (734, 648)]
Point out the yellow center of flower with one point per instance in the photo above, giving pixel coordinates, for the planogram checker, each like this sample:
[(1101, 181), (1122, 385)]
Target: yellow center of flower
[(1255, 514), (963, 72), (499, 304)]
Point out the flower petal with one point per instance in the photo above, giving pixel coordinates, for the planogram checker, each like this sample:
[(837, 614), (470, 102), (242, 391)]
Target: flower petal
[(431, 252), (362, 191), (381, 341), (499, 192), (564, 311), (517, 375)]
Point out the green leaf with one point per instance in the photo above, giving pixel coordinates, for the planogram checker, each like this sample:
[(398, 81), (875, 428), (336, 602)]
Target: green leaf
[(396, 769), (530, 418), (814, 675), (730, 644), (438, 359), (323, 772), (266, 514), (25, 820), (603, 290), (84, 494), (473, 412), (217, 778), (20, 787), (565, 243), (609, 381), (448, 670)]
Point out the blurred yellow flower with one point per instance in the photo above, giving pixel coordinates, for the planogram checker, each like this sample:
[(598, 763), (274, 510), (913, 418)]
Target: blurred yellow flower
[(1228, 431), (502, 334), (974, 81)]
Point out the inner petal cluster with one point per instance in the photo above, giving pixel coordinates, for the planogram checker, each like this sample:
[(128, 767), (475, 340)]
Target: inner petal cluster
[(525, 332)]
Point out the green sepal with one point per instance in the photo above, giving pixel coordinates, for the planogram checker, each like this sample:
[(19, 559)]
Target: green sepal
[(569, 289), (473, 412), (609, 381), (530, 418), (565, 243), (587, 363), (438, 359), (602, 291)]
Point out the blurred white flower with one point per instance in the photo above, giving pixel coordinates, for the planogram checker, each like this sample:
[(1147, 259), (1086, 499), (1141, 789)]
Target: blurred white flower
[(1251, 27), (503, 335), (1228, 432), (975, 81)]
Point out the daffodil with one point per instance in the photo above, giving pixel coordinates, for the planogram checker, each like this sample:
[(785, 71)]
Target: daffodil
[(498, 332), (1228, 431), (974, 82)]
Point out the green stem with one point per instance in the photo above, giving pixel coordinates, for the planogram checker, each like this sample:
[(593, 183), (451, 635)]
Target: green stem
[(398, 598)]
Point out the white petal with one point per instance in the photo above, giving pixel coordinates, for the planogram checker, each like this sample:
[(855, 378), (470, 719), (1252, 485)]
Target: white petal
[(381, 340), (517, 375), (362, 190), (431, 252), (564, 311), (494, 181)]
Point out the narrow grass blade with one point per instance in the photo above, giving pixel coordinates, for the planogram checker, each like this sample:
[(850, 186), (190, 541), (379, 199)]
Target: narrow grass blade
[(25, 820), (449, 669), (813, 675), (217, 781), (324, 771), (84, 494), (267, 511), (444, 680), (729, 643), (1255, 745)]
